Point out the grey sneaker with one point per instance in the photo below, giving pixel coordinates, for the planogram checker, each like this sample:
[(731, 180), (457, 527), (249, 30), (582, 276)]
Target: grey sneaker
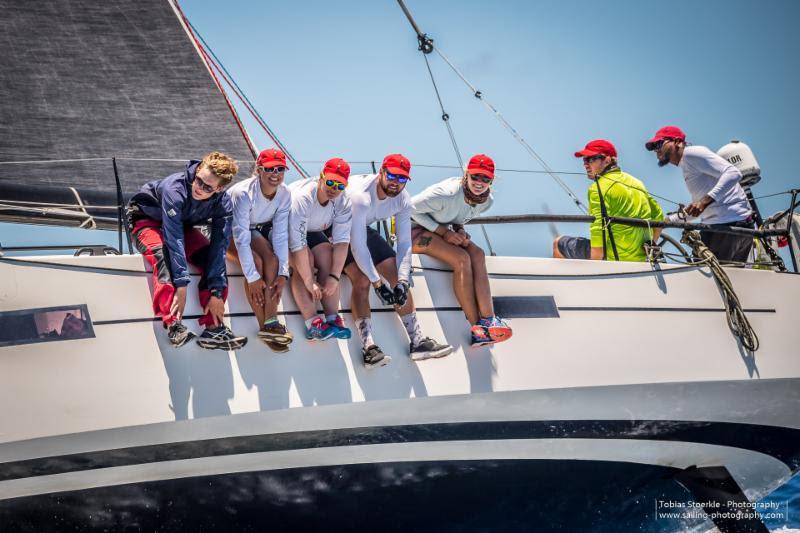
[(220, 338), (373, 356), (178, 334), (428, 349)]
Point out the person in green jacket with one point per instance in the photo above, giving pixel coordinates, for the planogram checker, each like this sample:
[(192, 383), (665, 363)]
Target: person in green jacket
[(623, 196)]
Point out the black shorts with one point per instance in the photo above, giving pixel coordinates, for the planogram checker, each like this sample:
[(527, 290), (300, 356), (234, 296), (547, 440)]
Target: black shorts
[(379, 249), (729, 247), (575, 247), (263, 229), (314, 238)]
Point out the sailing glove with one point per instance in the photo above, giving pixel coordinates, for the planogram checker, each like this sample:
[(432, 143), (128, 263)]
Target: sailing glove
[(385, 294), (401, 292)]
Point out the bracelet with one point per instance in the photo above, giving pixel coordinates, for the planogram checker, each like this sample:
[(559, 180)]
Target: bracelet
[(334, 276)]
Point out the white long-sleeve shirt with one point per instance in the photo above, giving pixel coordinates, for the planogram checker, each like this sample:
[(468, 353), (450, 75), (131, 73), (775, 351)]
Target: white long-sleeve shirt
[(250, 208), (707, 173), (307, 214), (443, 203), (368, 209)]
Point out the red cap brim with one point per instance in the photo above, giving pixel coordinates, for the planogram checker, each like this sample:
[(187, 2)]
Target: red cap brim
[(586, 153), (270, 164), (399, 171)]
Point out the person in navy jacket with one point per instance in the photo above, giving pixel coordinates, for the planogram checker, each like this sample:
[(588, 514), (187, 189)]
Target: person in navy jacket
[(163, 216)]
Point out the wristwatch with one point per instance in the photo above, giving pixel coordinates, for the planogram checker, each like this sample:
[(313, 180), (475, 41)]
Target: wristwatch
[(217, 293)]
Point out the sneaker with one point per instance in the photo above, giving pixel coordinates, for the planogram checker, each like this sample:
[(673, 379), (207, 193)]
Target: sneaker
[(480, 336), (275, 332), (499, 331), (275, 346), (340, 331), (319, 330), (373, 356), (221, 338), (429, 348), (179, 334)]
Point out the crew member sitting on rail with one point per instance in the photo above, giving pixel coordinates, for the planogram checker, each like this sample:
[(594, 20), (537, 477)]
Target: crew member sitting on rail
[(377, 197), (713, 183), (319, 238), (260, 243), (162, 216), (613, 193), (439, 215)]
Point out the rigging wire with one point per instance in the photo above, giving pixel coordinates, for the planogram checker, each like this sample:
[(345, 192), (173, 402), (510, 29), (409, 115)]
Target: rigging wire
[(445, 116), (226, 75)]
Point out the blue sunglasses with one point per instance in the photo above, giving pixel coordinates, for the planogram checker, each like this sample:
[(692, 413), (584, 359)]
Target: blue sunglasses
[(396, 177)]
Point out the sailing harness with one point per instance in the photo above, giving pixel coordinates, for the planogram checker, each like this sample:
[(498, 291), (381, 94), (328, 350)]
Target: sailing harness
[(606, 223)]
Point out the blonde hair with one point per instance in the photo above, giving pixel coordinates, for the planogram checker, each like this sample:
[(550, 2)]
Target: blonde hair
[(221, 165)]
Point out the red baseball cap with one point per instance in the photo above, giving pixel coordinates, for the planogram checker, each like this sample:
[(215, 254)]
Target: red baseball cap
[(597, 147), (397, 164), (667, 132), (481, 164), (271, 157), (336, 169)]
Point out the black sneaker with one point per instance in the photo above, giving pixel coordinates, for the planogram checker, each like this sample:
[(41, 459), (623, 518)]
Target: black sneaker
[(221, 338), (373, 356), (179, 334), (428, 348)]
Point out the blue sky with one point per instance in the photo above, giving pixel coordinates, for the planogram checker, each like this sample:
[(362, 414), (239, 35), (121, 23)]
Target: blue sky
[(346, 79)]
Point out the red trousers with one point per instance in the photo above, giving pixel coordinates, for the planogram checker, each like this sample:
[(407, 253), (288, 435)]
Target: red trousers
[(150, 242)]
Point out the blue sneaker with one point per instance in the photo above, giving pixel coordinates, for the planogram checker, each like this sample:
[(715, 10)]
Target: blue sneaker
[(499, 331), (319, 330), (340, 330)]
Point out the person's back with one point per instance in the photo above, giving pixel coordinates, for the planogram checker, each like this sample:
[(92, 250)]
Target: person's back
[(624, 196)]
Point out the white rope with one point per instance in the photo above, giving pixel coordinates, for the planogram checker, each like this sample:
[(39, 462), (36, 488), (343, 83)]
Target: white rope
[(89, 220)]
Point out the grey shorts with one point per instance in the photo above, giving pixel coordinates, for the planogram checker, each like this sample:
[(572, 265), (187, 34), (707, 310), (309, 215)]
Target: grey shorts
[(575, 247)]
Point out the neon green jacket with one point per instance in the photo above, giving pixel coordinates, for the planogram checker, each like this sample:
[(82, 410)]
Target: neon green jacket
[(624, 196)]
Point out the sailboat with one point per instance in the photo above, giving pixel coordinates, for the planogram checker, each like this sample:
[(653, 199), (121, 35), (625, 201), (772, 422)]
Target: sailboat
[(105, 426)]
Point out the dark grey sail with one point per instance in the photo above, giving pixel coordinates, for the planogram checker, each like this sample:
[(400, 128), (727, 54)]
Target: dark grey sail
[(90, 81)]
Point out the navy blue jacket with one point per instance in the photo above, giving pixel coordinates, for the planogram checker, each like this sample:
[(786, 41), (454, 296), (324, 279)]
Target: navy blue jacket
[(170, 201)]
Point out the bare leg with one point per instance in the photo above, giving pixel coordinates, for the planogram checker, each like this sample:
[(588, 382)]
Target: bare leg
[(233, 256), (323, 255), (301, 295), (463, 275), (269, 271), (359, 301), (480, 278)]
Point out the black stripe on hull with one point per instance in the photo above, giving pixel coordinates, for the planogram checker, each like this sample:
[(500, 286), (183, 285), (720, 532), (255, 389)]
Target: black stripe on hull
[(779, 442), (512, 495)]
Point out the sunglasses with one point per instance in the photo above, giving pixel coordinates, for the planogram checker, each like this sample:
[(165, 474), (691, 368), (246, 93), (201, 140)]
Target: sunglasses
[(273, 170), (396, 177), (205, 187), (481, 178), (593, 158), (335, 185), (658, 144)]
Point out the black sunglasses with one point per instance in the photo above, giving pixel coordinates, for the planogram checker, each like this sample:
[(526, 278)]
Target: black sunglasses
[(205, 187), (659, 143), (481, 178), (331, 184), (593, 158)]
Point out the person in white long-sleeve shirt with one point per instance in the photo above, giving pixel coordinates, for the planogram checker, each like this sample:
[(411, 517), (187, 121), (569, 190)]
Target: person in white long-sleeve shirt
[(717, 197), (438, 216), (260, 244), (376, 197), (319, 209)]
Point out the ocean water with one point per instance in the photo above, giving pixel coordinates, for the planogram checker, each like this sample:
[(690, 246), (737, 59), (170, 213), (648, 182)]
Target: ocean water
[(787, 500)]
